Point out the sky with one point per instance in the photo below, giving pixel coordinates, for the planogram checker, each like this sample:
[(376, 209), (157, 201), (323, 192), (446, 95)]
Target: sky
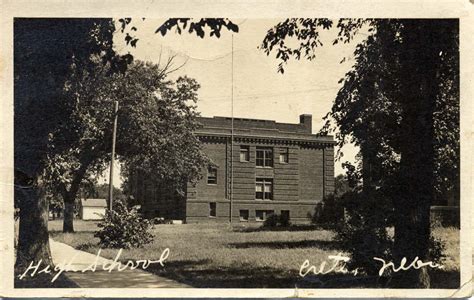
[(306, 87)]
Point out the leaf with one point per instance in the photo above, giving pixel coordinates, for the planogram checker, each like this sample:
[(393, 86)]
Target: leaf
[(233, 27)]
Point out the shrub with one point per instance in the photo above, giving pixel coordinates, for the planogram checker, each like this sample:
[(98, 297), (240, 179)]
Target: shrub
[(329, 212), (363, 232), (271, 221), (284, 220), (123, 227), (275, 220)]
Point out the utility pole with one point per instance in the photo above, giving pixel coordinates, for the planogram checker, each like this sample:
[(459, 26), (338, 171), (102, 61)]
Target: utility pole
[(112, 159)]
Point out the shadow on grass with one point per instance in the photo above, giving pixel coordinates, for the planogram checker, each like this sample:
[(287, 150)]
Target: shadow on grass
[(306, 227), (200, 274), (87, 247), (320, 244), (58, 232)]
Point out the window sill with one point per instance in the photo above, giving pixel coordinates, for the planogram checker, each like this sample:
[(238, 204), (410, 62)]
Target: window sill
[(260, 167)]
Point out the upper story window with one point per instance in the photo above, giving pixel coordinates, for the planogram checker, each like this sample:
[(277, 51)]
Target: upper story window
[(211, 175), (284, 156), (264, 189), (264, 157), (244, 153)]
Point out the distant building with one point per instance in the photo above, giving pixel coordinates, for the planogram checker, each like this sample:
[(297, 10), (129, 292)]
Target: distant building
[(92, 209), (263, 168)]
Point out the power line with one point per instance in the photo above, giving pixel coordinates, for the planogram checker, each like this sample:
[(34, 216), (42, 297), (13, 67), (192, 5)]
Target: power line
[(218, 57)]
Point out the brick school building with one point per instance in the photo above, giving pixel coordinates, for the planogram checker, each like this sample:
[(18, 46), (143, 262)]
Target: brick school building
[(259, 168)]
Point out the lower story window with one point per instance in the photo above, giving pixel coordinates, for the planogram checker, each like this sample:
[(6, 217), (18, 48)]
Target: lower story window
[(212, 209), (244, 215), (262, 215)]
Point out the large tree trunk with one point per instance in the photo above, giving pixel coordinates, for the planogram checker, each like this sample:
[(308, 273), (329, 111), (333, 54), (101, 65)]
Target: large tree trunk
[(33, 237), (69, 201), (419, 92), (69, 196), (68, 221)]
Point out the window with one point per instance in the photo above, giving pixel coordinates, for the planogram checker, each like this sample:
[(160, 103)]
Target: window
[(284, 157), (264, 189), (262, 215), (211, 175), (212, 209), (264, 157), (244, 215), (244, 153)]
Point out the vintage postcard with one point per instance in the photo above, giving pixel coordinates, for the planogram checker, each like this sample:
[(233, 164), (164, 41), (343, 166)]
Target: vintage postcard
[(236, 148)]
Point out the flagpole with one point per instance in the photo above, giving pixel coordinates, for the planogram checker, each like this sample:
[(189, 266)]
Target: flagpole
[(112, 158), (232, 136)]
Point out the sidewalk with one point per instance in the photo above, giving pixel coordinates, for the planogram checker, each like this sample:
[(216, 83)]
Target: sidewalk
[(137, 278)]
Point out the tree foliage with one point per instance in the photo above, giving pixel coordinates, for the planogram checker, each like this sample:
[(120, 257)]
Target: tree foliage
[(44, 50), (101, 191), (156, 118), (400, 104), (48, 106), (198, 27), (158, 133)]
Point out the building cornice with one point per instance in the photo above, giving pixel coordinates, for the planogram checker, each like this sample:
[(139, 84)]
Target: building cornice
[(310, 140)]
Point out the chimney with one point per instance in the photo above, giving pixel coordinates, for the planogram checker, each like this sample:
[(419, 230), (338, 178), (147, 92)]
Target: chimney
[(306, 120)]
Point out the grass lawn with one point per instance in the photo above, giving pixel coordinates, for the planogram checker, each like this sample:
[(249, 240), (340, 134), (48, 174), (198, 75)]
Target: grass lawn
[(218, 256)]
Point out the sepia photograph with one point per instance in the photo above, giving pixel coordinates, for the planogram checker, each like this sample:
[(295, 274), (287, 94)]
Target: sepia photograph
[(236, 153)]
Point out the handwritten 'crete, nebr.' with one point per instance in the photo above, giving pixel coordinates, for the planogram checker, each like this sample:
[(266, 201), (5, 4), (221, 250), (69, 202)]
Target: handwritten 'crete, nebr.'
[(339, 266)]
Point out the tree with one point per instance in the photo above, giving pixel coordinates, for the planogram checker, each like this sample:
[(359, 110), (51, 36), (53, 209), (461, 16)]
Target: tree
[(44, 50), (392, 94), (156, 120)]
